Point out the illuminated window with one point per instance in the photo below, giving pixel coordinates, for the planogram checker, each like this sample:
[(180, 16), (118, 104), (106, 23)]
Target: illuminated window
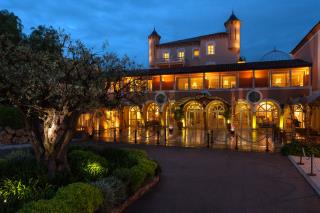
[(196, 53), (167, 82), (212, 80), (166, 56), (210, 49), (196, 81), (155, 83), (280, 79), (182, 82), (228, 81), (181, 55), (111, 119), (297, 78), (245, 79), (153, 112), (267, 113), (261, 78), (298, 116), (135, 118)]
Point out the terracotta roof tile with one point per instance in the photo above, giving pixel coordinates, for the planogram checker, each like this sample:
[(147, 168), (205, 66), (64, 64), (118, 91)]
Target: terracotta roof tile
[(224, 67)]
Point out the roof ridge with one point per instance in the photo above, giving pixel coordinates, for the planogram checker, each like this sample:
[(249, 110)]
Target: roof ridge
[(192, 39)]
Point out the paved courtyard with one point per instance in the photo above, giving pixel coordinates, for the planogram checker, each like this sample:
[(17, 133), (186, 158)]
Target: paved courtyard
[(201, 180)]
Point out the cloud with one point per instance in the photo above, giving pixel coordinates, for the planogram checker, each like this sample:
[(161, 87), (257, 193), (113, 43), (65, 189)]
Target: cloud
[(125, 24)]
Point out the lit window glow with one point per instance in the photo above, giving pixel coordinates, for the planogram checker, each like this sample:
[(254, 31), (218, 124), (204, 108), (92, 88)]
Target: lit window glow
[(166, 56), (181, 55), (196, 53), (210, 49)]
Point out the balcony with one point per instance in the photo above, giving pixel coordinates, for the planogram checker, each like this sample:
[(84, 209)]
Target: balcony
[(170, 62)]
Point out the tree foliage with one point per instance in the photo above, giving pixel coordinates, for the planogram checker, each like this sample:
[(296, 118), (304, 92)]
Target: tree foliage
[(10, 26), (52, 79)]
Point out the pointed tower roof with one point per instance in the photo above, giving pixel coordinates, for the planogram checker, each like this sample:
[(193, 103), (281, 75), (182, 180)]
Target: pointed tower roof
[(232, 17), (154, 34)]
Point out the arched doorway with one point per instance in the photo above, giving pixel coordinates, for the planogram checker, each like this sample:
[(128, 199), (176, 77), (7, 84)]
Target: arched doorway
[(153, 113), (169, 115), (135, 118), (194, 115), (215, 115), (242, 115), (267, 113)]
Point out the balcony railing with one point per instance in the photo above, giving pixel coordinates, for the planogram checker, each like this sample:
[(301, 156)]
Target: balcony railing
[(170, 61)]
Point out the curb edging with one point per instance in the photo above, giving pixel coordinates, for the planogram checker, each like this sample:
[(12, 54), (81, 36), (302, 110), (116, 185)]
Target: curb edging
[(306, 176), (137, 195)]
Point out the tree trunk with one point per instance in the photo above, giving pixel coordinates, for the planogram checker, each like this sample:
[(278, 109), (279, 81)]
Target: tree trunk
[(59, 128)]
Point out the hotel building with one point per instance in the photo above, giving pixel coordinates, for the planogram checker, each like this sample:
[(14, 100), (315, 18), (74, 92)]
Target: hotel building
[(203, 83)]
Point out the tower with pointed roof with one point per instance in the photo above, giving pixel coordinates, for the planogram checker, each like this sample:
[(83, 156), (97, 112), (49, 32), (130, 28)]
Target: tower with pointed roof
[(154, 40), (233, 27)]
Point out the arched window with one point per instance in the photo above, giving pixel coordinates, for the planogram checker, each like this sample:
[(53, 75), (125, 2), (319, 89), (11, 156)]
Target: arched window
[(298, 116), (135, 118), (194, 115), (153, 112), (242, 115), (215, 115), (267, 113)]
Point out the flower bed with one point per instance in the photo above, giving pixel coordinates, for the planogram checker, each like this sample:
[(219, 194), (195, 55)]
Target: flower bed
[(103, 179)]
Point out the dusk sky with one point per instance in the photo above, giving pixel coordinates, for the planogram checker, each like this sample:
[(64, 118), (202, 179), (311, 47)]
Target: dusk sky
[(126, 24)]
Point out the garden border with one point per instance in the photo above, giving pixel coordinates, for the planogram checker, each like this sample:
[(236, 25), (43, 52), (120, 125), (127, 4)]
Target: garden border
[(137, 195)]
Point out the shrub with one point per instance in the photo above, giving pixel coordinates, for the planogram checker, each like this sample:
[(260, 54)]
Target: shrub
[(148, 166), (74, 198), (295, 148), (119, 158), (87, 165), (137, 178), (21, 164), (12, 117), (114, 191), (133, 176), (13, 193), (122, 174)]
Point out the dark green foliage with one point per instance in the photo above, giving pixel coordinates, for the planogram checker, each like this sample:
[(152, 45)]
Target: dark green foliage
[(14, 193), (114, 191), (21, 164), (295, 148), (44, 38), (86, 165), (135, 176), (10, 26), (12, 117), (119, 158), (74, 198)]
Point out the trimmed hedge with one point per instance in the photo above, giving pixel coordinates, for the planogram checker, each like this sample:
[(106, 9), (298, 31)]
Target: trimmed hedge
[(74, 198), (86, 165), (137, 175), (295, 148), (12, 117)]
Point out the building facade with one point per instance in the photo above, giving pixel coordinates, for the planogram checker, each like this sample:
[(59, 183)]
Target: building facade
[(202, 83)]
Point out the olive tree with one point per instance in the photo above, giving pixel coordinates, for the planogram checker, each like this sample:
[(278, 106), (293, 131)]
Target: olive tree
[(53, 84)]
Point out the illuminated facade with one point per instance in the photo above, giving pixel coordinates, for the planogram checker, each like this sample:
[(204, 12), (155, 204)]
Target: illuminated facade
[(205, 85)]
